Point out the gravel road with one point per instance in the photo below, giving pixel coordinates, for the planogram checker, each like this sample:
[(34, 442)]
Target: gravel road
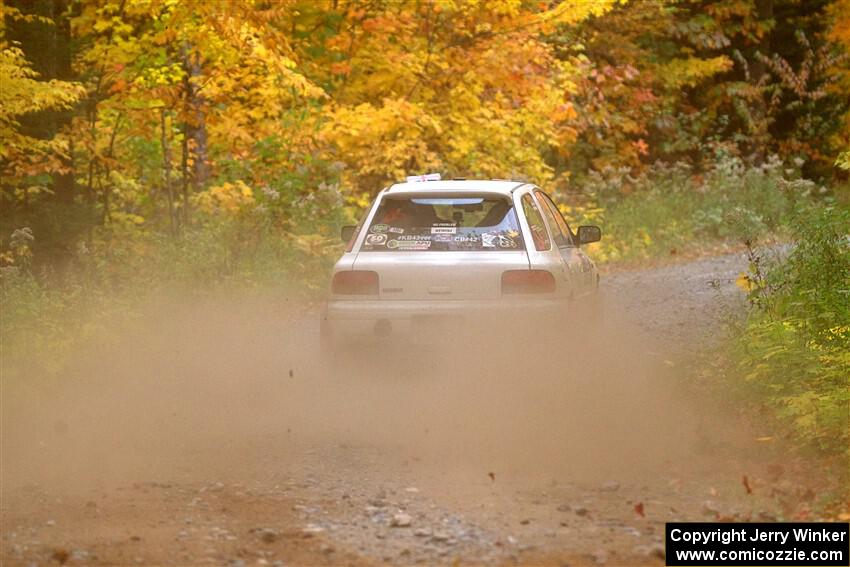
[(212, 435)]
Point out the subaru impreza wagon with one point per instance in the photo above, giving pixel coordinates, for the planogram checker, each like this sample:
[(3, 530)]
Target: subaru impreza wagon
[(430, 250)]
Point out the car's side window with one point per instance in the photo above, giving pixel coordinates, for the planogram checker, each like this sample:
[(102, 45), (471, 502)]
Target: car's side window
[(535, 222), (562, 222), (560, 230)]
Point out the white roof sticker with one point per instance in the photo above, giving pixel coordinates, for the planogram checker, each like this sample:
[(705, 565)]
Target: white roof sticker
[(426, 177)]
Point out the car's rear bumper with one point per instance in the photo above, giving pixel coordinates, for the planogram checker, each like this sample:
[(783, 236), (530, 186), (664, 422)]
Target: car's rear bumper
[(405, 309), (368, 318)]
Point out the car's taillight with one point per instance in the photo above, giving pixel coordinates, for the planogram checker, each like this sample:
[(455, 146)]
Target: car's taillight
[(527, 281), (355, 282)]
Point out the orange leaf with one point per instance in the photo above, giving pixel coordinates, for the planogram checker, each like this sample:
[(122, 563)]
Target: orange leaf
[(118, 86)]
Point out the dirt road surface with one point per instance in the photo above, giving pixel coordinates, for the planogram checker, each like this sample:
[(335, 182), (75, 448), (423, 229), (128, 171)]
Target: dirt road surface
[(214, 433)]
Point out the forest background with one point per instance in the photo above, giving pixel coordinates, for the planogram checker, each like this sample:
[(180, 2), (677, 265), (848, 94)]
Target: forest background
[(149, 145)]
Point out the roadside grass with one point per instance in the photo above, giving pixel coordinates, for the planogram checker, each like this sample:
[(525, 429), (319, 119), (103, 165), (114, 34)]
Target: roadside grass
[(47, 314), (791, 354), (787, 360), (670, 210)]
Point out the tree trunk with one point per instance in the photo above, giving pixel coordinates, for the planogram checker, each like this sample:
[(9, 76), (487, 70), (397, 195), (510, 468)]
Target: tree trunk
[(195, 118), (63, 183), (184, 174), (110, 153), (758, 70), (90, 196), (166, 174), (185, 129)]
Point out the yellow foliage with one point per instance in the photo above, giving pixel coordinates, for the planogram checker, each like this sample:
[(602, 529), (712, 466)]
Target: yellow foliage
[(21, 93), (744, 282), (126, 220), (574, 11), (691, 71), (227, 198), (490, 107), (383, 142), (840, 32)]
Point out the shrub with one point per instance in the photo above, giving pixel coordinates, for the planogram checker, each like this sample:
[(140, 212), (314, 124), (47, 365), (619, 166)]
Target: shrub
[(669, 208), (280, 239), (793, 350)]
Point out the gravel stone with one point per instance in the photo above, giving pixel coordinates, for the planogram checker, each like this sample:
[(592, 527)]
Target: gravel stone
[(401, 520)]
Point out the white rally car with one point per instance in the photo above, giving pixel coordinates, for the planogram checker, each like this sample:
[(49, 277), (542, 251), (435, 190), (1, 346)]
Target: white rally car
[(430, 249)]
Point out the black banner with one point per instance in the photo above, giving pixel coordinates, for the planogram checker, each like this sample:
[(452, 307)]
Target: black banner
[(730, 543)]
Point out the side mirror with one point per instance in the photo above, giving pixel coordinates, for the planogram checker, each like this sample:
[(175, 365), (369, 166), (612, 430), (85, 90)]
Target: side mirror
[(347, 232), (587, 234)]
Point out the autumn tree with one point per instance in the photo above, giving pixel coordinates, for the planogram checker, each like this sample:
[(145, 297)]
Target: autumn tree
[(470, 89), (123, 118)]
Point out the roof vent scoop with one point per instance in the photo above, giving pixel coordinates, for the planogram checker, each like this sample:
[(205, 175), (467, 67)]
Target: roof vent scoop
[(426, 177)]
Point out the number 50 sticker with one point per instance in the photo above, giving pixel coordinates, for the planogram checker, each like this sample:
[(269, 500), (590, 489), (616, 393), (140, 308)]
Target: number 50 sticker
[(376, 239)]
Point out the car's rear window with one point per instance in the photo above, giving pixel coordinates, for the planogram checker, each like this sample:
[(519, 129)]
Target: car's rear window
[(467, 223)]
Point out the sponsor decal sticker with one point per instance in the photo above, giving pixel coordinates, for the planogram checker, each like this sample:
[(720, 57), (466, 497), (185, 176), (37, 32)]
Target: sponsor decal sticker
[(443, 229), (409, 244), (396, 230), (488, 240), (442, 238), (379, 228), (506, 241), (376, 239)]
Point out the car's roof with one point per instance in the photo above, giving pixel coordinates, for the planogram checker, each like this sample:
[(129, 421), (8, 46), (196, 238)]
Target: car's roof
[(456, 186)]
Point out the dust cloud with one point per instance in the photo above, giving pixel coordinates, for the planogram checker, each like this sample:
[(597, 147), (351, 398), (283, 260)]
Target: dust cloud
[(212, 388)]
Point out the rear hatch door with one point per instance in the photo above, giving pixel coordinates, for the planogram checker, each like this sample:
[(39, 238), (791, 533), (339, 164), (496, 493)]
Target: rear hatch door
[(435, 245), (441, 275)]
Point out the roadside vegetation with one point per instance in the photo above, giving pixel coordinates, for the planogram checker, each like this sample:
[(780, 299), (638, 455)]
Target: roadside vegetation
[(792, 352), (151, 146), (669, 209)]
